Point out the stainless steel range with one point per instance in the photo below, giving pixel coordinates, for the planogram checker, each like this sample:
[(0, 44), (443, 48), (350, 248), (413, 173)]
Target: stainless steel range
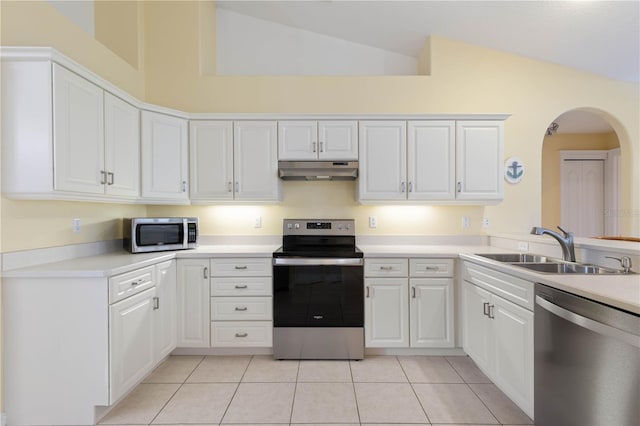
[(318, 291)]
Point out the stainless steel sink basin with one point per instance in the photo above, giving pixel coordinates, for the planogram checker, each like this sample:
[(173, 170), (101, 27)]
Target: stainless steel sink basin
[(567, 268), (518, 257)]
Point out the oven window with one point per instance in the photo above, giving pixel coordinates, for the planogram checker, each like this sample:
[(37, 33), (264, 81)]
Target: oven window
[(156, 234), (318, 296)]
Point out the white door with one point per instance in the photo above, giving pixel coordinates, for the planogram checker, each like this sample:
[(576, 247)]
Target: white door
[(431, 164), (386, 316), (431, 312), (122, 147), (383, 160), (78, 133), (612, 168), (193, 303), (165, 321), (298, 140), (131, 346), (582, 197), (476, 326), (164, 157), (479, 160), (513, 351), (338, 140), (211, 160), (255, 150)]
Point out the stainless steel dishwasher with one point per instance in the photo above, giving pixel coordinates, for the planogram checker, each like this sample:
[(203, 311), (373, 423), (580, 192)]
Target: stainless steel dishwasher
[(587, 362)]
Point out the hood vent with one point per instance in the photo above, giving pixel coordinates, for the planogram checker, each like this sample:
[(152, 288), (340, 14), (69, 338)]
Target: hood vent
[(318, 170)]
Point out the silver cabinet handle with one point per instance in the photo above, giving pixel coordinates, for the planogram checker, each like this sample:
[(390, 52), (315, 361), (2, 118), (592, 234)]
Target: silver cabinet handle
[(588, 323), (230, 186), (241, 286), (241, 308), (432, 268), (110, 178), (459, 186), (314, 146), (402, 187), (491, 311), (241, 267), (137, 282), (367, 291), (206, 273), (184, 186), (386, 268), (156, 303), (241, 334), (237, 187), (103, 178), (410, 186), (485, 308), (321, 148), (413, 292)]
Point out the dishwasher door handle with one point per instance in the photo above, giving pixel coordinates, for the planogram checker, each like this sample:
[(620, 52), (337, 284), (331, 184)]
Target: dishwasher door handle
[(589, 324)]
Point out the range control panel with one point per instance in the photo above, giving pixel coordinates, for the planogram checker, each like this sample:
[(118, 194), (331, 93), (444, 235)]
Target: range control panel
[(319, 227)]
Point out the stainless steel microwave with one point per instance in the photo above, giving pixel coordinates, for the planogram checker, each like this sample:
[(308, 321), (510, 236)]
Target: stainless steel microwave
[(147, 234)]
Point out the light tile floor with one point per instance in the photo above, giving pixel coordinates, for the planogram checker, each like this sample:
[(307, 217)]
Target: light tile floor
[(245, 390)]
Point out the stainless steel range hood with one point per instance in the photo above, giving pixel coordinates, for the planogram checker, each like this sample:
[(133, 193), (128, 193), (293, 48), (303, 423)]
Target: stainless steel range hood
[(318, 170)]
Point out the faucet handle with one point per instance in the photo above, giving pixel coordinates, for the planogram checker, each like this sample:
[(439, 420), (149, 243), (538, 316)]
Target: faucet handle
[(625, 262), (566, 234)]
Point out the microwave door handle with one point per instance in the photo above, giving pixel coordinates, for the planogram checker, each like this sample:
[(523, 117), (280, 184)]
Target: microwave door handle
[(185, 232)]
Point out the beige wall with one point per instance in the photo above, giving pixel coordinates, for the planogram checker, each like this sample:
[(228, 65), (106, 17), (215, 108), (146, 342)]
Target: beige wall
[(127, 17), (551, 166)]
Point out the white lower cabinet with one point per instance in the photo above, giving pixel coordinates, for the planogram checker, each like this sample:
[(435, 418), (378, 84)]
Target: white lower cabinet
[(193, 303), (498, 333), (165, 323), (408, 312)]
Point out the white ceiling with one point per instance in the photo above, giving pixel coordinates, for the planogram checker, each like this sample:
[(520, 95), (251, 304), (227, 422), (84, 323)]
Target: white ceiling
[(577, 121), (602, 37)]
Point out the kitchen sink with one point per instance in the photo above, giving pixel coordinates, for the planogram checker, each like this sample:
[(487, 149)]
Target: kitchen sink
[(567, 268), (518, 257)]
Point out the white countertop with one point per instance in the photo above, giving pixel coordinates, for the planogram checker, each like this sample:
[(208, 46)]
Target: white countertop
[(373, 251)]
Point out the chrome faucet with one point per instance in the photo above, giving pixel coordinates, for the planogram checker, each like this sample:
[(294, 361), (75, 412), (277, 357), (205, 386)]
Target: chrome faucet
[(565, 240)]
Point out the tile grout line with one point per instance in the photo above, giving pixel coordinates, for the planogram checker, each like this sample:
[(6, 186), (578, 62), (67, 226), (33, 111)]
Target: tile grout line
[(355, 395), (235, 391), (414, 391), (455, 370), (295, 390)]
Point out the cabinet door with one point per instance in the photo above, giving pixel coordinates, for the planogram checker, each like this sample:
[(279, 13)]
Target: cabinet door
[(431, 160), (338, 140), (383, 160), (256, 161), (165, 315), (211, 159), (78, 133), (193, 303), (164, 157), (122, 147), (131, 346), (479, 160), (431, 312), (298, 140), (513, 351), (476, 326), (386, 316)]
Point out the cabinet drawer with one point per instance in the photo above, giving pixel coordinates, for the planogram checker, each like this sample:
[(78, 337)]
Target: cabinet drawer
[(241, 286), (431, 267), (241, 308), (125, 285), (386, 267), (242, 333), (514, 289), (246, 267)]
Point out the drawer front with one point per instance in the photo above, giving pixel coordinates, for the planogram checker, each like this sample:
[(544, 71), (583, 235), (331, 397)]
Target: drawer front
[(386, 267), (125, 285), (241, 308), (241, 286), (242, 334), (431, 267), (241, 267), (514, 289)]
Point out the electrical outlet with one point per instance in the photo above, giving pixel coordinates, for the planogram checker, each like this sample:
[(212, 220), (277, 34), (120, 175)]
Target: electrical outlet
[(466, 221), (257, 223), (373, 222), (485, 222), (76, 225), (523, 246)]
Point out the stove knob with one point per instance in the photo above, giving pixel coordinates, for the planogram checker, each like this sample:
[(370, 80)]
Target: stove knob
[(289, 226), (297, 226), (348, 226), (340, 226)]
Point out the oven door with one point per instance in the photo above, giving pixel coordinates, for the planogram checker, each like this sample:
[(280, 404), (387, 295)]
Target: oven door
[(310, 292)]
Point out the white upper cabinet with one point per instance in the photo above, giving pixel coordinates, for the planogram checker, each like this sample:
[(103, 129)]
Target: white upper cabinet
[(255, 162), (78, 133), (383, 160), (479, 160), (318, 140), (211, 160), (431, 160), (164, 158), (122, 147)]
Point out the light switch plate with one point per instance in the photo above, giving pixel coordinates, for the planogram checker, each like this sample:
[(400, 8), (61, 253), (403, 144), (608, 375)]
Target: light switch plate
[(76, 225), (466, 221), (523, 246), (373, 222), (486, 222), (257, 223)]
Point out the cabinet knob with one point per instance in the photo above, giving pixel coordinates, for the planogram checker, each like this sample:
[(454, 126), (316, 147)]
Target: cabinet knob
[(110, 178), (156, 303), (230, 186), (313, 144), (184, 186), (241, 267), (410, 186), (206, 272), (367, 291), (241, 308), (241, 334), (321, 148), (485, 308), (402, 187), (103, 178), (241, 286), (413, 292), (459, 186)]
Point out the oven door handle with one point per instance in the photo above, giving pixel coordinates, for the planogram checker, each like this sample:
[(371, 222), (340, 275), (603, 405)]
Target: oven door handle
[(317, 262)]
